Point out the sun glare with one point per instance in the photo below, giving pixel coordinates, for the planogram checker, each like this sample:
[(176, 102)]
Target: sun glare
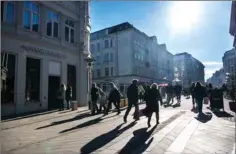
[(184, 16)]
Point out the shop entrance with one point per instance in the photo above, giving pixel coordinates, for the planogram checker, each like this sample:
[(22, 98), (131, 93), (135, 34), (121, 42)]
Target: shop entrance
[(53, 87)]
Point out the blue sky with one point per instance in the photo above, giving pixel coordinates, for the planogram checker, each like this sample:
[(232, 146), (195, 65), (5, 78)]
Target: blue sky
[(200, 28)]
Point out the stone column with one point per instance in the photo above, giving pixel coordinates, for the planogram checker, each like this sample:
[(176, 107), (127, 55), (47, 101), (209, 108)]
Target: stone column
[(44, 83), (20, 82)]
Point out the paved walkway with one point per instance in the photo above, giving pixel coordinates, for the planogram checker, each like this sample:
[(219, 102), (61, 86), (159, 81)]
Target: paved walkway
[(179, 131)]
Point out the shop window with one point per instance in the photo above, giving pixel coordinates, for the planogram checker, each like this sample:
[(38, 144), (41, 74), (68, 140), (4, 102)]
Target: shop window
[(71, 79), (69, 30), (8, 62), (31, 16), (7, 11), (52, 24), (32, 79)]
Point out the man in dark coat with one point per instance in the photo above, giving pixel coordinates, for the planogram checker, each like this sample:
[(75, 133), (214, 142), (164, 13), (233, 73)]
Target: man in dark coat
[(178, 90), (132, 94), (94, 98), (114, 97), (193, 94)]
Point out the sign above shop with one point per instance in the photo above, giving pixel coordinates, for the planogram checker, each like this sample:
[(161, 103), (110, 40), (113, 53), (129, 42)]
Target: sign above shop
[(42, 51)]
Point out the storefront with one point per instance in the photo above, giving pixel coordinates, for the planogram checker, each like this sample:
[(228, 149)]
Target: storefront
[(32, 73)]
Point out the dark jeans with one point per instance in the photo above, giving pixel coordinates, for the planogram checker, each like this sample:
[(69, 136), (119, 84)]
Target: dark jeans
[(199, 105), (68, 105), (116, 104), (193, 99), (61, 104), (104, 108), (150, 116), (94, 106), (130, 104)]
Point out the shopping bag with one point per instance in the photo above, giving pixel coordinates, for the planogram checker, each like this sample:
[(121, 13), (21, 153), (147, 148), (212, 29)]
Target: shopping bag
[(206, 100)]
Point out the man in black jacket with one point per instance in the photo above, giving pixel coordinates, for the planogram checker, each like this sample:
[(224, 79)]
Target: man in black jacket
[(132, 94)]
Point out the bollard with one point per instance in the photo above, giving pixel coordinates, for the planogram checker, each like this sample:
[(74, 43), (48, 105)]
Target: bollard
[(74, 105)]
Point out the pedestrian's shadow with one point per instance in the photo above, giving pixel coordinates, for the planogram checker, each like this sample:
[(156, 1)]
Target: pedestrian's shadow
[(102, 140), (222, 114), (78, 117), (138, 140), (86, 124), (204, 117)]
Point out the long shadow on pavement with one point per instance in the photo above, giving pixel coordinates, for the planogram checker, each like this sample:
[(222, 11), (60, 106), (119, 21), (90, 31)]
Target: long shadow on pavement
[(204, 117), (138, 141), (223, 114), (78, 117), (86, 124), (102, 140)]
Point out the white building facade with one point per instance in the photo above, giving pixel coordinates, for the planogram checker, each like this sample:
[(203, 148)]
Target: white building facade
[(218, 78), (44, 44), (124, 53), (188, 69)]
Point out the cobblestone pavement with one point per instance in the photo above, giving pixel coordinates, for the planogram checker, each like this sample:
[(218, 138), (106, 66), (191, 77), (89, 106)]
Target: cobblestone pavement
[(179, 131)]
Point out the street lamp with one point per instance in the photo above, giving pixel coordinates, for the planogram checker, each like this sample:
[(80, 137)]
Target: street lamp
[(89, 59)]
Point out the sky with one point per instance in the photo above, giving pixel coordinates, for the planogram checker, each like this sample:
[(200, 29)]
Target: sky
[(200, 28)]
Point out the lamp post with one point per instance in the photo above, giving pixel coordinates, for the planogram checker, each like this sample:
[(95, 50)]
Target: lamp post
[(89, 59)]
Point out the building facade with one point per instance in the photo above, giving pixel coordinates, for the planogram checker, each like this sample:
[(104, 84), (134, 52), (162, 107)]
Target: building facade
[(188, 69), (218, 78), (229, 63), (123, 53), (44, 44)]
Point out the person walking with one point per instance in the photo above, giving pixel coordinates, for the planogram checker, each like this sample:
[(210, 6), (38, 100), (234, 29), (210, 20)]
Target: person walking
[(61, 97), (102, 100), (132, 94), (169, 91), (152, 104), (94, 98), (178, 90), (193, 94), (68, 95), (209, 94), (200, 93), (114, 97)]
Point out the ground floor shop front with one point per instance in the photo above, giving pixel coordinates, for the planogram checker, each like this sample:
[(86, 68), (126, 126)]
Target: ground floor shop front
[(32, 74)]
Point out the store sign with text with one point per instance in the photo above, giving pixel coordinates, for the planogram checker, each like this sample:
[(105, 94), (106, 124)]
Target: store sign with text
[(42, 51)]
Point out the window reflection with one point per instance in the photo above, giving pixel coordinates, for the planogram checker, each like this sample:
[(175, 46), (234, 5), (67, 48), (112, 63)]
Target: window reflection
[(52, 24), (31, 16), (69, 30), (7, 12)]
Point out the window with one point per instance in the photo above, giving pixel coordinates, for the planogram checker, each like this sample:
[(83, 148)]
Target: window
[(106, 43), (8, 12), (111, 57), (98, 73), (52, 24), (98, 47), (106, 57), (32, 90), (31, 16), (111, 43), (111, 71), (106, 71), (92, 48), (69, 30)]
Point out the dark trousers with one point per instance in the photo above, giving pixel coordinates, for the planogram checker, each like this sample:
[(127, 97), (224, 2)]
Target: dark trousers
[(94, 106), (68, 105), (130, 104), (199, 105), (150, 116), (116, 104), (61, 104), (104, 108), (193, 99)]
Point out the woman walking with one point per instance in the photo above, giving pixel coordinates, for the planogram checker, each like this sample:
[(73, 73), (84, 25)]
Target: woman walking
[(152, 103), (102, 100), (200, 93)]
